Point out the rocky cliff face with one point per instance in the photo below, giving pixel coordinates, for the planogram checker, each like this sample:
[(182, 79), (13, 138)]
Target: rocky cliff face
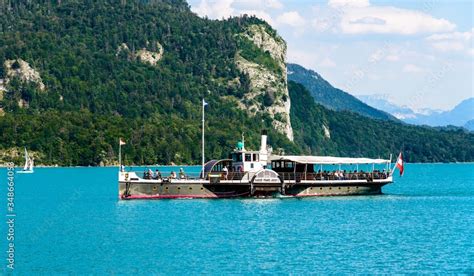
[(22, 70), (143, 55), (261, 56), (25, 73)]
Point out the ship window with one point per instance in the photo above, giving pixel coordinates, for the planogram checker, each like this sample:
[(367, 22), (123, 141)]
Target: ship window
[(237, 157), (248, 157), (251, 165), (289, 165), (255, 157)]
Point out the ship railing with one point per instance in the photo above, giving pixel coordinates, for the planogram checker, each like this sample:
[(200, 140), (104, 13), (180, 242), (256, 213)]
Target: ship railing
[(298, 176), (292, 176), (234, 176), (215, 176), (168, 175)]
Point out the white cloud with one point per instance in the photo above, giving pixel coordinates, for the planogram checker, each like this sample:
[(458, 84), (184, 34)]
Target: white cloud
[(412, 68), (273, 4), (322, 24), (293, 19), (260, 14), (454, 41), (218, 9), (360, 17), (446, 46), (215, 9), (391, 20), (349, 3), (258, 4)]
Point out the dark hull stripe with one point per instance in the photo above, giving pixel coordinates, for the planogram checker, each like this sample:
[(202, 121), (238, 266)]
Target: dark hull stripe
[(182, 196)]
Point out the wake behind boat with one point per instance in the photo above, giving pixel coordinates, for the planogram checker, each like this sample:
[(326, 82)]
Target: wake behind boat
[(29, 164), (261, 174)]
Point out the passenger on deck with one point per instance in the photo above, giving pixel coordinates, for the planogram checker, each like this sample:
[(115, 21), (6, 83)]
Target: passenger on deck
[(172, 175), (181, 174), (226, 172), (157, 174), (150, 174)]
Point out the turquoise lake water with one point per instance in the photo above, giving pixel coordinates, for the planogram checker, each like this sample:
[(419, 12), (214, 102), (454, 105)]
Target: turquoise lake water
[(70, 221)]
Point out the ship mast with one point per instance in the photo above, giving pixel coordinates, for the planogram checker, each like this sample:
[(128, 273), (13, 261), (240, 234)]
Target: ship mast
[(203, 159)]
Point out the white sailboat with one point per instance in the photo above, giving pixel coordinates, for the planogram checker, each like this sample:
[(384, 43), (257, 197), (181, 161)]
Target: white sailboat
[(29, 163)]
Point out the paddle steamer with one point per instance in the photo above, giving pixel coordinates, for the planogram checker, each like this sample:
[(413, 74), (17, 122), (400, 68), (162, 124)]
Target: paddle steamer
[(261, 174)]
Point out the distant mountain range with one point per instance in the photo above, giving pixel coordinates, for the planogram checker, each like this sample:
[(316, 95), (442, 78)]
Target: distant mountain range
[(462, 115), (469, 125), (330, 97)]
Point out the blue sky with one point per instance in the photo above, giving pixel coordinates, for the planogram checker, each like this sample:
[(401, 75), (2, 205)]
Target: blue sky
[(415, 53)]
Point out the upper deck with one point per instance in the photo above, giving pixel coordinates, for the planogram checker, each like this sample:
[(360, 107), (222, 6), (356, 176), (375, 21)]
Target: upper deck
[(327, 168)]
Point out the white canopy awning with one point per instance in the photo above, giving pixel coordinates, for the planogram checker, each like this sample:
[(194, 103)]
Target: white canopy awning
[(328, 160)]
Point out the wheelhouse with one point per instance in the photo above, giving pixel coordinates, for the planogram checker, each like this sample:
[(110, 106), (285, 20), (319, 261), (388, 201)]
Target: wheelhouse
[(249, 161), (245, 161)]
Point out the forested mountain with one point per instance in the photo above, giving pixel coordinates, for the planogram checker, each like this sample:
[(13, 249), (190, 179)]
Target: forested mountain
[(77, 75), (330, 97), (97, 90)]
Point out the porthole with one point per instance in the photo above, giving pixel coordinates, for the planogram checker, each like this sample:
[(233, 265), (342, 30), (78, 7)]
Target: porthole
[(190, 188), (311, 188), (202, 188), (348, 188), (357, 188), (167, 188), (155, 188), (339, 188), (179, 188), (330, 188), (321, 188)]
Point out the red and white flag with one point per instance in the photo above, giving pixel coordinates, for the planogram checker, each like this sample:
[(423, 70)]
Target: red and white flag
[(400, 165), (121, 142)]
